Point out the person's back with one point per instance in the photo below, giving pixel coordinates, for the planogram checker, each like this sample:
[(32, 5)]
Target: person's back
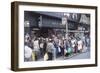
[(80, 45), (36, 45), (27, 38), (36, 49), (28, 52), (41, 45), (50, 47), (50, 50), (88, 41), (73, 41)]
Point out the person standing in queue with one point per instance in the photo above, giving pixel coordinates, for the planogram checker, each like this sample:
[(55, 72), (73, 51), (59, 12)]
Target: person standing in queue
[(27, 49), (80, 45), (36, 48), (50, 49)]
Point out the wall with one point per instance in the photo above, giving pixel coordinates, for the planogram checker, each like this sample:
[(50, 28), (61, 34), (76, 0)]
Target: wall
[(5, 36)]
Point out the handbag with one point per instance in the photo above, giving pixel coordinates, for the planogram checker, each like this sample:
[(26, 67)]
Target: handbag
[(46, 57), (33, 56), (59, 50)]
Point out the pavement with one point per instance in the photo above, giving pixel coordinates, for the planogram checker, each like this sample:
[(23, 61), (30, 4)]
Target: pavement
[(83, 55)]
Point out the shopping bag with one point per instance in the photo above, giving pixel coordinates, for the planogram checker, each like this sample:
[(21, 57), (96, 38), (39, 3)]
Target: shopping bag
[(46, 57), (59, 50), (33, 56), (65, 51), (69, 50)]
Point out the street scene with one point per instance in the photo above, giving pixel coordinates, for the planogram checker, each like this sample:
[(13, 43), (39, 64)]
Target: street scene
[(52, 36)]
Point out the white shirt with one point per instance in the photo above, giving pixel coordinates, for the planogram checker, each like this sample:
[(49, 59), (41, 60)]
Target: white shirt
[(80, 44), (73, 41), (36, 45), (41, 45), (28, 52), (26, 37)]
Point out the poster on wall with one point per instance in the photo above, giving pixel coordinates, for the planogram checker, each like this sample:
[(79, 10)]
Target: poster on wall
[(52, 36)]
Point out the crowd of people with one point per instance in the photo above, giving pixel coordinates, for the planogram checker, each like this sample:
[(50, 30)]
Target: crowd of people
[(51, 48)]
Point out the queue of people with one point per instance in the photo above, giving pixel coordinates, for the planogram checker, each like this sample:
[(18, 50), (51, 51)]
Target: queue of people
[(51, 48)]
